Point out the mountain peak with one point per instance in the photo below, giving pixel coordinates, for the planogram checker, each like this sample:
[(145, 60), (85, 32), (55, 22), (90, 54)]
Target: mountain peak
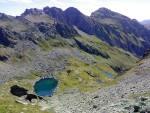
[(103, 9), (56, 13), (72, 9), (32, 11), (5, 16), (103, 13), (106, 13), (54, 9)]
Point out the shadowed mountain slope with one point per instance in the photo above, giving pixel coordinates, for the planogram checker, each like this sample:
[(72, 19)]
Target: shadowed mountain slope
[(113, 28)]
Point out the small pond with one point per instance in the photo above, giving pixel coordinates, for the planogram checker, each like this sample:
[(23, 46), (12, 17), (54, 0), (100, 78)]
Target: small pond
[(106, 73), (45, 87), (99, 81)]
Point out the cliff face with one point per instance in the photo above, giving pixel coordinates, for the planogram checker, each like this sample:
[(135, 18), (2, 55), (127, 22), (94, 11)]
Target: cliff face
[(122, 31)]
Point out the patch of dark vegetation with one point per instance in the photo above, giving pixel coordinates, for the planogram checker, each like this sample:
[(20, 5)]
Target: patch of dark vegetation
[(19, 56), (69, 71), (33, 96), (95, 97), (143, 99), (147, 53), (142, 106), (18, 91), (136, 108), (94, 106)]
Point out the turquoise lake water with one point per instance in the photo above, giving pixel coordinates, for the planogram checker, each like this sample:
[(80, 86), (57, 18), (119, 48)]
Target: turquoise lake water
[(106, 73), (45, 87)]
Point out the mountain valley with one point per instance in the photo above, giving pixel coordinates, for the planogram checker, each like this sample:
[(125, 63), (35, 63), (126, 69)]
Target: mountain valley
[(97, 60)]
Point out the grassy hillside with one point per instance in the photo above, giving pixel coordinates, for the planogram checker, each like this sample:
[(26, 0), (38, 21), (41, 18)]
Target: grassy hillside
[(35, 46), (13, 104)]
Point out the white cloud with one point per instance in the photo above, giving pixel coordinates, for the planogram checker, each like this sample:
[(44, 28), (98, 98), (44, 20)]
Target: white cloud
[(3, 1)]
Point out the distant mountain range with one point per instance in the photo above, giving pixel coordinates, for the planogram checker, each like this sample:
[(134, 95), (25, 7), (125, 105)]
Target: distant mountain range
[(146, 23), (111, 27), (85, 54)]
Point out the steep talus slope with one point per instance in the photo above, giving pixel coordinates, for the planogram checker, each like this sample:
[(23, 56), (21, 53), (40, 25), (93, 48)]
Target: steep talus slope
[(131, 94)]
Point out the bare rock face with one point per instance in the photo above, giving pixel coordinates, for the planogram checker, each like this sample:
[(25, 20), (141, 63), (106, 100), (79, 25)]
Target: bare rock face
[(55, 13), (48, 30), (75, 17), (32, 11), (7, 37), (66, 31), (112, 21), (111, 27)]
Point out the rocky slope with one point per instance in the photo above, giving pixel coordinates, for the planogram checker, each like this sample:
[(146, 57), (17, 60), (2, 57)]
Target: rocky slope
[(131, 94), (113, 28), (76, 49), (52, 33)]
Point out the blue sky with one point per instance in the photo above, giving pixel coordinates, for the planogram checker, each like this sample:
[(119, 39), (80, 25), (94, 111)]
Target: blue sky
[(138, 9)]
